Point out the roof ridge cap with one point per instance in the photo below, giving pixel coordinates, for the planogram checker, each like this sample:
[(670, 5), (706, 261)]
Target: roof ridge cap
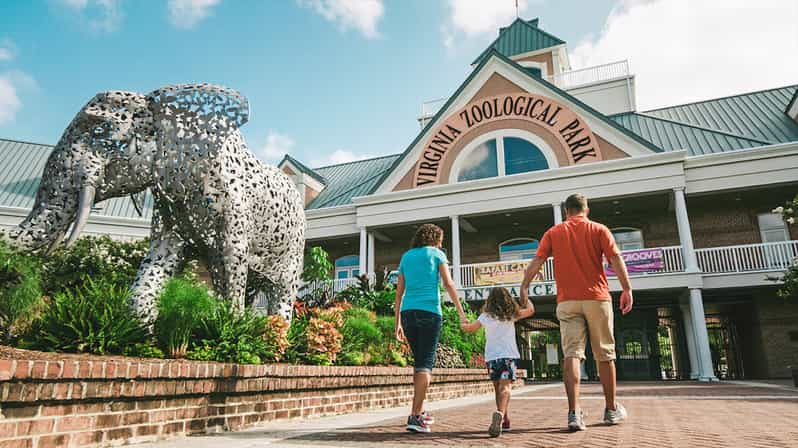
[(355, 161), (716, 131), (26, 142), (537, 28), (720, 98)]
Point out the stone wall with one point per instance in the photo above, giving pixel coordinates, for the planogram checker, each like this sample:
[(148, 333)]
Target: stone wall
[(75, 402), (777, 333)]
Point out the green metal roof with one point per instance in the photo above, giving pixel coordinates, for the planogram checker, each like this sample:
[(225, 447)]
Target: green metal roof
[(348, 180), (305, 170), (521, 37), (673, 136), (21, 166), (759, 115)]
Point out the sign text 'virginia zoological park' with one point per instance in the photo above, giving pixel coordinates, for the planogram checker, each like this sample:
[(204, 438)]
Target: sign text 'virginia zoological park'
[(567, 128)]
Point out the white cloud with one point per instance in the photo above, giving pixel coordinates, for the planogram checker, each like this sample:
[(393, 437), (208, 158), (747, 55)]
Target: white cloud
[(98, 16), (474, 17), (187, 13), (11, 84), (8, 51), (276, 147), (682, 50), (9, 101), (337, 157), (362, 15)]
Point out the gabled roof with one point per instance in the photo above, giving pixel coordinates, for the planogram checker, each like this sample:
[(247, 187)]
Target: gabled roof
[(21, 166), (302, 167), (348, 180), (492, 52), (522, 36), (673, 136), (759, 115)]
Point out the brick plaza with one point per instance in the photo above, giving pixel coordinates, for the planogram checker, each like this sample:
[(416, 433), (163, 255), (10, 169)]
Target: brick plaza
[(677, 414)]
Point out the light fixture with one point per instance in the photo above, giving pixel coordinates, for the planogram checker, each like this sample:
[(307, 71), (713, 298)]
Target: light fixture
[(516, 224), (616, 202), (508, 214), (617, 212)]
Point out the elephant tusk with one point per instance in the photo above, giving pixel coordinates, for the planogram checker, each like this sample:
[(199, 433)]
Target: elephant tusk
[(84, 208), (58, 238)]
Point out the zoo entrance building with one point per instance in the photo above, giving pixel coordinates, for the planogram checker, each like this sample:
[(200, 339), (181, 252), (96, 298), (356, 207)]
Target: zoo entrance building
[(687, 191)]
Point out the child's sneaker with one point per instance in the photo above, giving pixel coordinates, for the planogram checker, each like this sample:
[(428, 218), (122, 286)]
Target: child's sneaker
[(427, 417), (496, 424), (416, 423), (506, 424), (576, 421)]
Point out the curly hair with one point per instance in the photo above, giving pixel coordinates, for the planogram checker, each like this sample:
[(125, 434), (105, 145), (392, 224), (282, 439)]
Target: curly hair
[(500, 304), (427, 235)]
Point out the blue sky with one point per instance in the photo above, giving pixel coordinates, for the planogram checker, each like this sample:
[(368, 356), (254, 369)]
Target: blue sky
[(327, 80)]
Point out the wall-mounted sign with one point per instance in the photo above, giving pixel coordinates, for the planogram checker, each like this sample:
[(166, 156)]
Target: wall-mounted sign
[(641, 261), (502, 273), (557, 120), (535, 290)]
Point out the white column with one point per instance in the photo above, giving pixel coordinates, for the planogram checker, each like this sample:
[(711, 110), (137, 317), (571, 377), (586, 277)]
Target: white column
[(689, 333), (456, 251), (705, 373), (370, 263), (557, 209), (363, 252), (685, 235)]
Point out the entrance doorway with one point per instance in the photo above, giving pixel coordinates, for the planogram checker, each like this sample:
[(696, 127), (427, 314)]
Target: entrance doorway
[(724, 346)]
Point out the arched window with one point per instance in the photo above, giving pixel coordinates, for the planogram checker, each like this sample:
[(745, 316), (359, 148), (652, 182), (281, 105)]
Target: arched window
[(347, 267), (518, 249), (502, 153), (628, 238)]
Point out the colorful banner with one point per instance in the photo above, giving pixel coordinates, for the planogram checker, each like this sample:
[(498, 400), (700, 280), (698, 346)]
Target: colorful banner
[(502, 273), (641, 261)]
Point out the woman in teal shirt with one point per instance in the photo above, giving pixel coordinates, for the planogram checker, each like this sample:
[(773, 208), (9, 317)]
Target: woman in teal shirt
[(418, 311)]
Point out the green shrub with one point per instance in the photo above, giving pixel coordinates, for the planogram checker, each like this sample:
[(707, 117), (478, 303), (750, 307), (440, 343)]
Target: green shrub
[(20, 292), (360, 333), (95, 318), (452, 336), (144, 350), (100, 258), (183, 306), (228, 335)]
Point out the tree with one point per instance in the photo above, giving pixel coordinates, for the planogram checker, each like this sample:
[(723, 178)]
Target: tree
[(789, 289)]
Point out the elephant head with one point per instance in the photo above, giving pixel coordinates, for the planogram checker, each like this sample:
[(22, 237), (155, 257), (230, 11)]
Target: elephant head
[(114, 147)]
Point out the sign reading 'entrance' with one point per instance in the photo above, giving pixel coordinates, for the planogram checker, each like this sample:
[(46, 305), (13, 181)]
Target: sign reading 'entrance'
[(535, 290), (560, 122)]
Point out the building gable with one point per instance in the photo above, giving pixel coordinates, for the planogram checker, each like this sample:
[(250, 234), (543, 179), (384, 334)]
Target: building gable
[(500, 94)]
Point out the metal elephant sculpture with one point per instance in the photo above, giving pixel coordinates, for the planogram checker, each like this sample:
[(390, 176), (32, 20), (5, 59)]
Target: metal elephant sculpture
[(212, 197)]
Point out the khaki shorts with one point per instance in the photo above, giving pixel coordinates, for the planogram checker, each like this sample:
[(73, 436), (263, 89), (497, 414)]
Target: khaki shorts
[(578, 318)]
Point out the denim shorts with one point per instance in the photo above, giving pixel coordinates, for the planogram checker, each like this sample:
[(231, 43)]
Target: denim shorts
[(501, 369), (422, 330)]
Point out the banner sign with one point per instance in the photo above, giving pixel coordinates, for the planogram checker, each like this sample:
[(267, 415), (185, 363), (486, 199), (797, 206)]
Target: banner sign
[(535, 290), (503, 273), (641, 261)]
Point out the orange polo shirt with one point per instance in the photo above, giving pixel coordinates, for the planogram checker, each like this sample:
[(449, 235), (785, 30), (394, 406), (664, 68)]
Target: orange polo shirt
[(577, 246)]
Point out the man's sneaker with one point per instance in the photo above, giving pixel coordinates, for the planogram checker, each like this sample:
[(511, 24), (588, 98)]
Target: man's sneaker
[(496, 424), (416, 423), (427, 417), (576, 421), (506, 423), (614, 417)]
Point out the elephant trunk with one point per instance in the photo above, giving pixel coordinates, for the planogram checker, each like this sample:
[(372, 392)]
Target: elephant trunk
[(85, 202)]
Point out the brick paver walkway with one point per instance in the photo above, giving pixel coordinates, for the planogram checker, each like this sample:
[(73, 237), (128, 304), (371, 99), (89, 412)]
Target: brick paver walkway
[(685, 414)]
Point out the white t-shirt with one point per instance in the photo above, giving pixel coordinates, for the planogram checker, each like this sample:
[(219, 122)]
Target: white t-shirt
[(500, 338)]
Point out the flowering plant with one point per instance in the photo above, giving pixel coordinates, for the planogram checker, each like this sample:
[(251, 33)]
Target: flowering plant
[(788, 211)]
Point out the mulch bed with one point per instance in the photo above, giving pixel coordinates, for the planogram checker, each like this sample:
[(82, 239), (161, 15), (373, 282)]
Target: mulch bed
[(7, 352)]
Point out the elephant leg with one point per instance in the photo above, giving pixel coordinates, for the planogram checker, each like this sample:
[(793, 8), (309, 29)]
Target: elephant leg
[(229, 268), (285, 279), (164, 258)]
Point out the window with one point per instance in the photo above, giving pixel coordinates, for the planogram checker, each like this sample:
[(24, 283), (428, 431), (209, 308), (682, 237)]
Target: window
[(347, 267), (772, 228), (502, 153), (518, 249), (628, 238)]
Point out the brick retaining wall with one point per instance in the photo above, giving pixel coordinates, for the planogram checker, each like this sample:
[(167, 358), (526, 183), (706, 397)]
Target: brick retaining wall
[(78, 403)]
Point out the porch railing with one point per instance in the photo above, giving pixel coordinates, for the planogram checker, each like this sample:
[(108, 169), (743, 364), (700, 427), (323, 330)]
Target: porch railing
[(761, 257), (589, 75)]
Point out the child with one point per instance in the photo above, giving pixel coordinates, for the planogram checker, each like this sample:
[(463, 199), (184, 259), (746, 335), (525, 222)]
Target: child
[(498, 317)]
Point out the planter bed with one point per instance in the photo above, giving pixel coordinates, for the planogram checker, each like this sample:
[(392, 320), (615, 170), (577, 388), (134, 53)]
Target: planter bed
[(60, 400)]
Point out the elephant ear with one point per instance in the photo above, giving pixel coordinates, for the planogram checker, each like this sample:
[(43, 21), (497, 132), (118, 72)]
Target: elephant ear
[(213, 106)]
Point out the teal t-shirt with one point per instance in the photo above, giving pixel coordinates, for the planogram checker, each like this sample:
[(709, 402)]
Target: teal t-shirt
[(419, 266)]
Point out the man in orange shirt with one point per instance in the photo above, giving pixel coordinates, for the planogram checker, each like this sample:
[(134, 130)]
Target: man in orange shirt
[(584, 304)]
